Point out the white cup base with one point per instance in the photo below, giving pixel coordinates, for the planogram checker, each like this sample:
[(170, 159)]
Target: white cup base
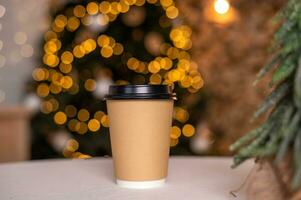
[(140, 184)]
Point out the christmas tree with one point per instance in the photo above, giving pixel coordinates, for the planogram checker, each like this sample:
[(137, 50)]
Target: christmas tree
[(280, 134), (93, 44)]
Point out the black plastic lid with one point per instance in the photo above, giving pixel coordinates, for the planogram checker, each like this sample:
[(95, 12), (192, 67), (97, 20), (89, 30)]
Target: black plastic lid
[(140, 92)]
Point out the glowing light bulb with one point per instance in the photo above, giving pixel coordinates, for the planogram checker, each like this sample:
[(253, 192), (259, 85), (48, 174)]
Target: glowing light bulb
[(221, 6)]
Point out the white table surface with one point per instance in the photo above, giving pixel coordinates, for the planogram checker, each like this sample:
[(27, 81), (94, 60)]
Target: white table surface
[(204, 178)]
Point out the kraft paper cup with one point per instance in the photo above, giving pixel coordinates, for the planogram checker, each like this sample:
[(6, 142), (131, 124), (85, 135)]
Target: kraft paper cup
[(140, 118)]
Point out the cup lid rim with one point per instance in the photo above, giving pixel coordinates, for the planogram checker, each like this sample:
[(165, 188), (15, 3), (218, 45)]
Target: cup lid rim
[(139, 91)]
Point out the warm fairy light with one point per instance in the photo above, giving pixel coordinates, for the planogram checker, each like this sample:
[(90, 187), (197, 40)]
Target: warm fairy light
[(90, 85), (166, 63), (174, 142), (104, 7), (67, 57), (172, 12), (66, 82), (93, 125), (83, 115), (72, 145), (92, 8), (79, 11), (70, 110), (175, 132), (221, 6), (55, 89), (180, 114), (188, 130), (81, 128), (43, 90), (154, 67), (46, 107), (155, 79), (60, 118), (65, 68), (72, 24), (117, 49), (98, 115), (105, 121), (106, 51)]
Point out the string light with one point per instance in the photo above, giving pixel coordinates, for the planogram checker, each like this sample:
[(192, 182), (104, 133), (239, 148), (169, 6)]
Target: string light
[(173, 67)]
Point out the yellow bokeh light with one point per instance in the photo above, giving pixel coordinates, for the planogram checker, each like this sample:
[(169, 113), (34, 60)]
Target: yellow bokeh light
[(172, 12), (117, 49), (105, 7), (55, 89), (130, 2), (221, 6), (79, 11), (66, 82), (181, 114), (92, 8), (175, 132), (155, 79), (115, 8), (50, 35), (140, 2), (124, 7), (65, 68), (81, 128), (174, 142), (184, 64), (188, 130), (83, 115), (133, 63), (89, 45), (106, 51), (166, 3), (186, 82), (172, 53), (51, 60), (174, 75), (103, 40), (78, 51), (43, 90), (73, 23), (94, 125), (60, 21), (154, 67), (72, 124), (197, 82), (46, 107), (90, 85), (166, 63), (98, 115), (70, 111), (72, 145), (60, 118), (105, 121), (67, 57), (39, 74)]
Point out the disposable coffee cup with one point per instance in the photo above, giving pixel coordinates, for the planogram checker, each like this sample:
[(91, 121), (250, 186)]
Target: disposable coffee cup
[(140, 118)]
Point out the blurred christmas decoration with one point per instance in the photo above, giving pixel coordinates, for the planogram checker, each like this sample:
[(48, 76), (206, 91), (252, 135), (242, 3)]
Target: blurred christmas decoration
[(279, 136), (93, 44), (230, 56)]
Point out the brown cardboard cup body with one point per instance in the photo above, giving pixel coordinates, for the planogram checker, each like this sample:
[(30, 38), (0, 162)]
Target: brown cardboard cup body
[(139, 132)]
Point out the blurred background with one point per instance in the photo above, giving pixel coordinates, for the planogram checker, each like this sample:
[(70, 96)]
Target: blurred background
[(58, 57)]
